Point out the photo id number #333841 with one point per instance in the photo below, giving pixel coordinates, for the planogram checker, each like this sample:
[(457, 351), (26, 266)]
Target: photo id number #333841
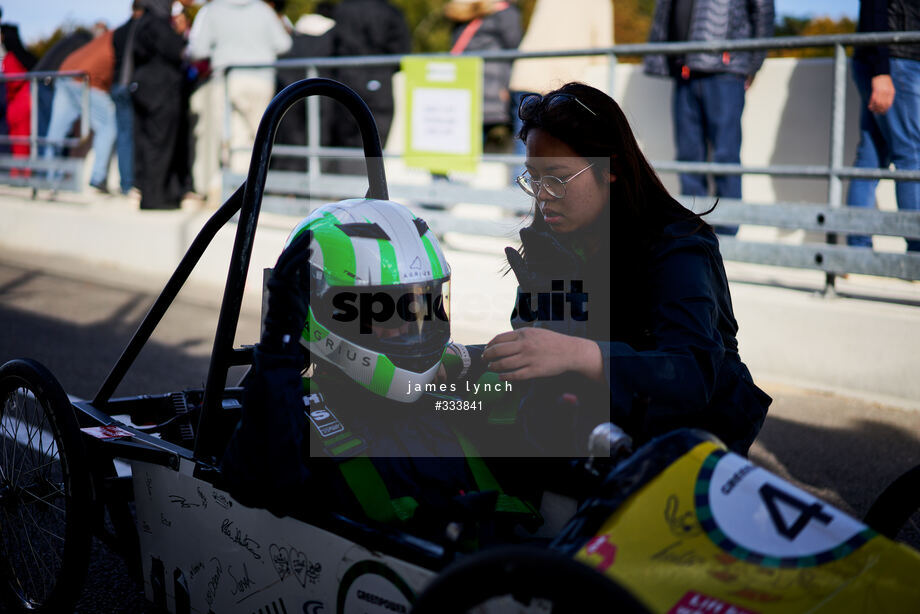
[(457, 405)]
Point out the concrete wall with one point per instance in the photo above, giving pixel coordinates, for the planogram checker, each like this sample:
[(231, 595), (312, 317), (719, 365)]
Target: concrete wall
[(787, 120)]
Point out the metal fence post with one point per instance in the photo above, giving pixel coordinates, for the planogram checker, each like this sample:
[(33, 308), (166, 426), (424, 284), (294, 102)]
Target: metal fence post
[(33, 125), (838, 117), (313, 128), (225, 150), (84, 117), (612, 75), (33, 118)]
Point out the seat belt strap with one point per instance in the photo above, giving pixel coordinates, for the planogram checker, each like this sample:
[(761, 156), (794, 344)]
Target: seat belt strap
[(485, 480), (371, 492)]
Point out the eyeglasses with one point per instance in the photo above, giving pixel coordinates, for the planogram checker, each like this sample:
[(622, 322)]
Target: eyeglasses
[(553, 186), (531, 102)]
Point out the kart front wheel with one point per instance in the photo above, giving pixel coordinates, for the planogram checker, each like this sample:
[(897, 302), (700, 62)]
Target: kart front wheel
[(524, 574), (45, 492)]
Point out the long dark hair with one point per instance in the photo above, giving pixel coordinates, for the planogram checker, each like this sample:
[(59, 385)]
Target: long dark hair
[(595, 127)]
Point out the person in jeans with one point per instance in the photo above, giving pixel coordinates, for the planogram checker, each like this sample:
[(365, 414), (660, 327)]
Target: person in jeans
[(51, 62), (888, 81), (709, 88), (360, 430), (123, 41), (158, 108), (234, 33), (97, 59)]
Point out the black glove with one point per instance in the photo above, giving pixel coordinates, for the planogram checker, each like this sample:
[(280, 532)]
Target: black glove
[(545, 259), (288, 296), (526, 279)]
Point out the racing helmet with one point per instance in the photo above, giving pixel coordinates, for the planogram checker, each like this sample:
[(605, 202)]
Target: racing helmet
[(379, 296)]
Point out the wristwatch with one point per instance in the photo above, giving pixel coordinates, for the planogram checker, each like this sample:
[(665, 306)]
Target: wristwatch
[(464, 354)]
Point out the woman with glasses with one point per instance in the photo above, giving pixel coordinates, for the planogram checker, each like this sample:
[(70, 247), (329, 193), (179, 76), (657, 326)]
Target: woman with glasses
[(623, 311)]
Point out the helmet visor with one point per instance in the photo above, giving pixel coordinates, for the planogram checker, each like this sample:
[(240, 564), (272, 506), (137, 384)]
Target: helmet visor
[(405, 322)]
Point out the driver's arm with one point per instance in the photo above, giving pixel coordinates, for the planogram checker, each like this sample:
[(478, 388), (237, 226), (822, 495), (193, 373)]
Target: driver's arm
[(263, 465)]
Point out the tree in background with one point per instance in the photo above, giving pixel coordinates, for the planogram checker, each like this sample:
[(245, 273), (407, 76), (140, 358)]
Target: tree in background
[(39, 47), (797, 26), (632, 20), (787, 25)]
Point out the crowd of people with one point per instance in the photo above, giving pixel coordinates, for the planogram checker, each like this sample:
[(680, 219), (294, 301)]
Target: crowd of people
[(158, 83), (157, 86)]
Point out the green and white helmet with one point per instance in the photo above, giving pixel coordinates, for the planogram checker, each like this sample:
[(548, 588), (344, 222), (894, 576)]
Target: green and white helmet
[(379, 295)]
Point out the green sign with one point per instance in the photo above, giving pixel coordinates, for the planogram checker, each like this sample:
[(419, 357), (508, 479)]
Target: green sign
[(444, 113)]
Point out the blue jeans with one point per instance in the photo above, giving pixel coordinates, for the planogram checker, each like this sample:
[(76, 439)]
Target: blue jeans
[(892, 137), (124, 140), (65, 109), (707, 115), (45, 99)]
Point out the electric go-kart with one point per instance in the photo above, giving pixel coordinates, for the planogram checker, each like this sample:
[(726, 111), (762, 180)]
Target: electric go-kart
[(680, 525)]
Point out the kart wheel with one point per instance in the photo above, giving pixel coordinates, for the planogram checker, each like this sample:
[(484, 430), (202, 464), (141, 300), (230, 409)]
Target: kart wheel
[(524, 574), (896, 512), (45, 492)]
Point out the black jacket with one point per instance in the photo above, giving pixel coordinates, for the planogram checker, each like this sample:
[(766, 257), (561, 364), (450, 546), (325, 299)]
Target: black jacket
[(873, 17), (904, 16), (157, 63), (669, 347), (276, 460), (54, 57), (293, 128), (370, 27), (714, 20), (887, 16), (120, 42)]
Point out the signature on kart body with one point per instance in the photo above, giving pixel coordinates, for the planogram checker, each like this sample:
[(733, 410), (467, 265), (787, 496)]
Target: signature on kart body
[(237, 536)]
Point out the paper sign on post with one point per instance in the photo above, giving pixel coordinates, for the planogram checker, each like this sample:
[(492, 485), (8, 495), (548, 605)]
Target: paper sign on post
[(441, 120), (444, 106)]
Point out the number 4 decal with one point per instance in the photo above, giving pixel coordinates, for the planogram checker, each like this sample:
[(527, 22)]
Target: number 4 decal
[(771, 494)]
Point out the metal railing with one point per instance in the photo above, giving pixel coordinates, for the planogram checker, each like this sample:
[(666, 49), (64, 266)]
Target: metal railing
[(830, 217), (37, 171)]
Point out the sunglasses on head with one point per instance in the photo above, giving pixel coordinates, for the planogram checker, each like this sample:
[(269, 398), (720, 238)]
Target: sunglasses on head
[(532, 102)]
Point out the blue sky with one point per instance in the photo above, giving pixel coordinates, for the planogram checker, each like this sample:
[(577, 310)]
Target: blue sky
[(834, 8), (38, 18)]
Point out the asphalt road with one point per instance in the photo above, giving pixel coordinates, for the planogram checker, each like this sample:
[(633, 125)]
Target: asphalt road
[(76, 322), (77, 327)]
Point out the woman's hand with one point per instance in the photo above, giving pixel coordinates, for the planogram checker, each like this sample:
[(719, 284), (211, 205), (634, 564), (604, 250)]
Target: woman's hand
[(527, 353)]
